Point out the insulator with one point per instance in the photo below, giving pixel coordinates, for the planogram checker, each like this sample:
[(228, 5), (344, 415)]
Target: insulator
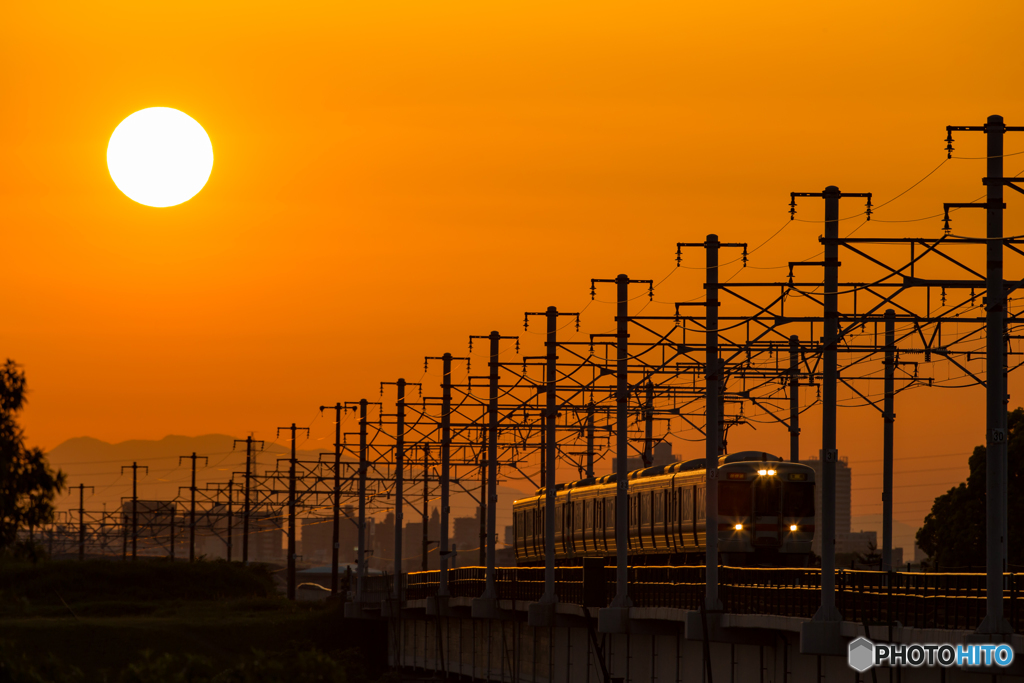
[(471, 345), (792, 207), (593, 290), (744, 256), (650, 290), (526, 321), (945, 225), (577, 322), (424, 365), (949, 144), (679, 256), (517, 344), (943, 296), (867, 210)]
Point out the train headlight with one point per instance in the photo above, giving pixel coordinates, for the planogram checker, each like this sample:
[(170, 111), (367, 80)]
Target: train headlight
[(792, 527), (771, 473), (738, 527), (762, 472)]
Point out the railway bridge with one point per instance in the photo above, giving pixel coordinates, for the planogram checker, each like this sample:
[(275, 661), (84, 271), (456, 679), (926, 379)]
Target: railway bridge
[(761, 635)]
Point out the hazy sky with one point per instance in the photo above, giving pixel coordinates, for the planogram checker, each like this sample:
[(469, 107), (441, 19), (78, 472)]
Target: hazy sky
[(392, 177)]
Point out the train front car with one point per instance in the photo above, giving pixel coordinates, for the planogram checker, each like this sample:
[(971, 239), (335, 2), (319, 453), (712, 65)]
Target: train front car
[(765, 515), (766, 510)]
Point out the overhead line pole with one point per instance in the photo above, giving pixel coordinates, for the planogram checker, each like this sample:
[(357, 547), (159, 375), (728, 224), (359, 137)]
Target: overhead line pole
[(827, 611), (486, 604), (996, 398), (135, 467), (192, 508), (615, 617), (446, 443), (81, 518), (246, 510), (888, 415), (550, 445), (291, 510), (336, 531)]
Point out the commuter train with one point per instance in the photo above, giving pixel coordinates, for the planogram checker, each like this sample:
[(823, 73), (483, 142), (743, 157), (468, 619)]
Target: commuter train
[(765, 515)]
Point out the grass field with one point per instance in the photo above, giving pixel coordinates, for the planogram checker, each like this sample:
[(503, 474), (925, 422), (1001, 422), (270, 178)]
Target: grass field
[(102, 621)]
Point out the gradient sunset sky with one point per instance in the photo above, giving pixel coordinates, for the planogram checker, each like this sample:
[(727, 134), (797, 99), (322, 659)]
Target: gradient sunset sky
[(392, 177)]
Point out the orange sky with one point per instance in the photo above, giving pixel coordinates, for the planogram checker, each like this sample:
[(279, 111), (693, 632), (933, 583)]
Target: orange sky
[(392, 177)]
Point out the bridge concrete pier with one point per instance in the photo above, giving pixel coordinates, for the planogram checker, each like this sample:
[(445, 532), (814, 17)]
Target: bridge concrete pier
[(656, 645)]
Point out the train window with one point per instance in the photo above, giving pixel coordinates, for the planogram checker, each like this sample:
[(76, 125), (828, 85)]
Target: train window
[(766, 496), (645, 508), (798, 500), (734, 498)]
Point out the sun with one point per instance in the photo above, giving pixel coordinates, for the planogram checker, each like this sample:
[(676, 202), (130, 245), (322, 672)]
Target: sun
[(160, 157)]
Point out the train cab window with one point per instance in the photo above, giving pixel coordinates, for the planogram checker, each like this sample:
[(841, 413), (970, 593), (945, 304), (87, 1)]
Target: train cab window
[(798, 499), (734, 498), (766, 496)]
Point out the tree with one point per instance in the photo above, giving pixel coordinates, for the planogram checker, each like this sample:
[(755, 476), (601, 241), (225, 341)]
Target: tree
[(27, 484), (953, 534)]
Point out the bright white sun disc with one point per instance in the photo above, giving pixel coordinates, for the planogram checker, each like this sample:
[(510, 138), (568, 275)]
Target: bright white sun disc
[(160, 157)]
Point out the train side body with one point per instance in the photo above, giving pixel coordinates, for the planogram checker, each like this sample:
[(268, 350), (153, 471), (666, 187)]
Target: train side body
[(764, 519)]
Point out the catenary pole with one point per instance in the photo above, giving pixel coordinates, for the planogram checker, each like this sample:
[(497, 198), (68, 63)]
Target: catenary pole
[(888, 416)]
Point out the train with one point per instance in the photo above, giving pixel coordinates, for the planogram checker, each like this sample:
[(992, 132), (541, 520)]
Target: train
[(765, 515)]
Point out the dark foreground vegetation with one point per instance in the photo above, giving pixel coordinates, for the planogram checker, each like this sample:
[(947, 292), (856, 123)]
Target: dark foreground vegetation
[(155, 621)]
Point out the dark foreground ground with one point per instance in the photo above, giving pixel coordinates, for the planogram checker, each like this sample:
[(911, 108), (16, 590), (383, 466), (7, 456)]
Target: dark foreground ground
[(157, 621)]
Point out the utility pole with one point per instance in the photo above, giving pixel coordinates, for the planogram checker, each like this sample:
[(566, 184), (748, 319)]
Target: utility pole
[(192, 507), (828, 612), (424, 564), (590, 440), (648, 454), (246, 509), (174, 513), (231, 486), (337, 492), (794, 398), (397, 591), (291, 510), (713, 429), (714, 437), (446, 444), (484, 449), (486, 604), (621, 603), (996, 398), (361, 547), (134, 467), (550, 447), (888, 417), (81, 518)]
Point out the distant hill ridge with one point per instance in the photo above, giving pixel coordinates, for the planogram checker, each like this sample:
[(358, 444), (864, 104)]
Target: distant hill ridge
[(83, 449)]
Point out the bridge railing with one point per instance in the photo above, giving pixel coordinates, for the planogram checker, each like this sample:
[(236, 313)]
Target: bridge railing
[(951, 601)]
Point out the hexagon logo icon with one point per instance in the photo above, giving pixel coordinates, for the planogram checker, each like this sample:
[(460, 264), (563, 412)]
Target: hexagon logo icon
[(861, 654)]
